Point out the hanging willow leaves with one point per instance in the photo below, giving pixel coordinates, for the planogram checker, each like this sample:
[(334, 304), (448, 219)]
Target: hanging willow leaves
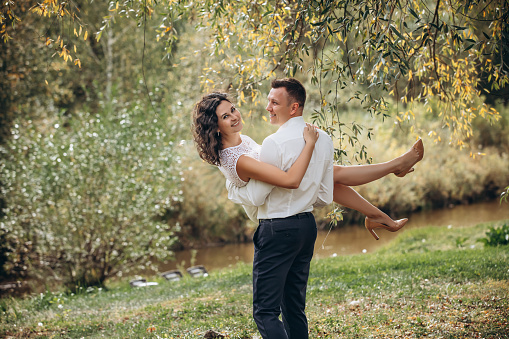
[(450, 48)]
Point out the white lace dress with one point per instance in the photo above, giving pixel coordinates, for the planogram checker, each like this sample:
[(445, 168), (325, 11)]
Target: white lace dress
[(229, 157)]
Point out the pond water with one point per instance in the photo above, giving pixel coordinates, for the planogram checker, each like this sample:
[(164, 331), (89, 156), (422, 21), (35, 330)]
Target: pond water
[(349, 239)]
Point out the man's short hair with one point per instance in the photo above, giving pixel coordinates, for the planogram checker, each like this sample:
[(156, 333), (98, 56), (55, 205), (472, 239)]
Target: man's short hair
[(294, 88)]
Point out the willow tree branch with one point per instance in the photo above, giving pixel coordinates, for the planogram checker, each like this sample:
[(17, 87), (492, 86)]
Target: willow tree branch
[(143, 57)]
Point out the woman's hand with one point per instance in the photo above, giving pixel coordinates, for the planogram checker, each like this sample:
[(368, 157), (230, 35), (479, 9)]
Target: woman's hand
[(310, 134)]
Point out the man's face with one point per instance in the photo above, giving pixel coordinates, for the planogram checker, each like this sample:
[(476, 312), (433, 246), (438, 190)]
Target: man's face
[(279, 106)]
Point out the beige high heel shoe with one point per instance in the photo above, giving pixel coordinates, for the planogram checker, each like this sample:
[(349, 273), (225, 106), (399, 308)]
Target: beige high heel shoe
[(370, 225), (418, 146)]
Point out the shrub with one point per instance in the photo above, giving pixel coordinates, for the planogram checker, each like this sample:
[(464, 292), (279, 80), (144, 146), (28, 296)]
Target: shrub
[(496, 236), (84, 196)]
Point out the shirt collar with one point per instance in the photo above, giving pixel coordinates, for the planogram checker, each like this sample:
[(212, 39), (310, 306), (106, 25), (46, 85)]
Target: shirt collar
[(295, 121)]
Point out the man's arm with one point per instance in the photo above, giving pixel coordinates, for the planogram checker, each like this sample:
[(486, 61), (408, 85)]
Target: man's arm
[(252, 212), (326, 192), (255, 192)]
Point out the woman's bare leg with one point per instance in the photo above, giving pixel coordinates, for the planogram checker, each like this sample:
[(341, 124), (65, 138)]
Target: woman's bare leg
[(362, 174), (348, 197)]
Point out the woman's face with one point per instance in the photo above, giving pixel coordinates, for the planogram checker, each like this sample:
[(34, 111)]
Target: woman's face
[(228, 118)]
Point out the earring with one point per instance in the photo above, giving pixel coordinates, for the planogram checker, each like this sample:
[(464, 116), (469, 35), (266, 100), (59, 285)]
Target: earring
[(217, 133)]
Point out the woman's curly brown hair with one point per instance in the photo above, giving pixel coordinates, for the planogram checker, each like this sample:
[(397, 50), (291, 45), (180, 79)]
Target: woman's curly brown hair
[(205, 127)]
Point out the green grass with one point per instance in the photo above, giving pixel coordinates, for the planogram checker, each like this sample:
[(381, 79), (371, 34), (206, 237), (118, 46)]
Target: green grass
[(429, 283)]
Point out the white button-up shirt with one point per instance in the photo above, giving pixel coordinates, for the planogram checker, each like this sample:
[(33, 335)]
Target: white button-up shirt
[(282, 149)]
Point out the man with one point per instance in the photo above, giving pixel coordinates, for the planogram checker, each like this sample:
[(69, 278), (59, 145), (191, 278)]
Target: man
[(284, 240)]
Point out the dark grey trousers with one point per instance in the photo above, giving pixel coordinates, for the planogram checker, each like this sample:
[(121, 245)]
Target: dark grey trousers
[(283, 251)]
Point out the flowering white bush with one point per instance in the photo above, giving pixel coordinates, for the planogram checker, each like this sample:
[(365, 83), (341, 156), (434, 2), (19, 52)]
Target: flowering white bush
[(84, 196)]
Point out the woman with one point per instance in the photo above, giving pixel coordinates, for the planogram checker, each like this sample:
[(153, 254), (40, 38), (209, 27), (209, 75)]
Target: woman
[(216, 131)]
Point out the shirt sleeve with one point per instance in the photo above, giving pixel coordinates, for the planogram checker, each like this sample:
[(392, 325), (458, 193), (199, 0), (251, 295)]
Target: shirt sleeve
[(255, 192), (252, 212), (326, 191)]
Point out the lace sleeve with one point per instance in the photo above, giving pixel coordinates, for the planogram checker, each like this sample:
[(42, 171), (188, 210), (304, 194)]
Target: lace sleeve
[(229, 157), (229, 171)]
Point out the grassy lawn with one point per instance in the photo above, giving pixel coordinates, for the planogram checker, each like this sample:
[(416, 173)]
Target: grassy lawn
[(428, 283)]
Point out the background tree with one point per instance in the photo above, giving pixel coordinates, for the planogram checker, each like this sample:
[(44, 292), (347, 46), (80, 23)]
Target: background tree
[(44, 47), (77, 140), (84, 201)]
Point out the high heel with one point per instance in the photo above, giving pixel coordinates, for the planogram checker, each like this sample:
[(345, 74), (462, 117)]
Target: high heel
[(370, 225), (419, 148)]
